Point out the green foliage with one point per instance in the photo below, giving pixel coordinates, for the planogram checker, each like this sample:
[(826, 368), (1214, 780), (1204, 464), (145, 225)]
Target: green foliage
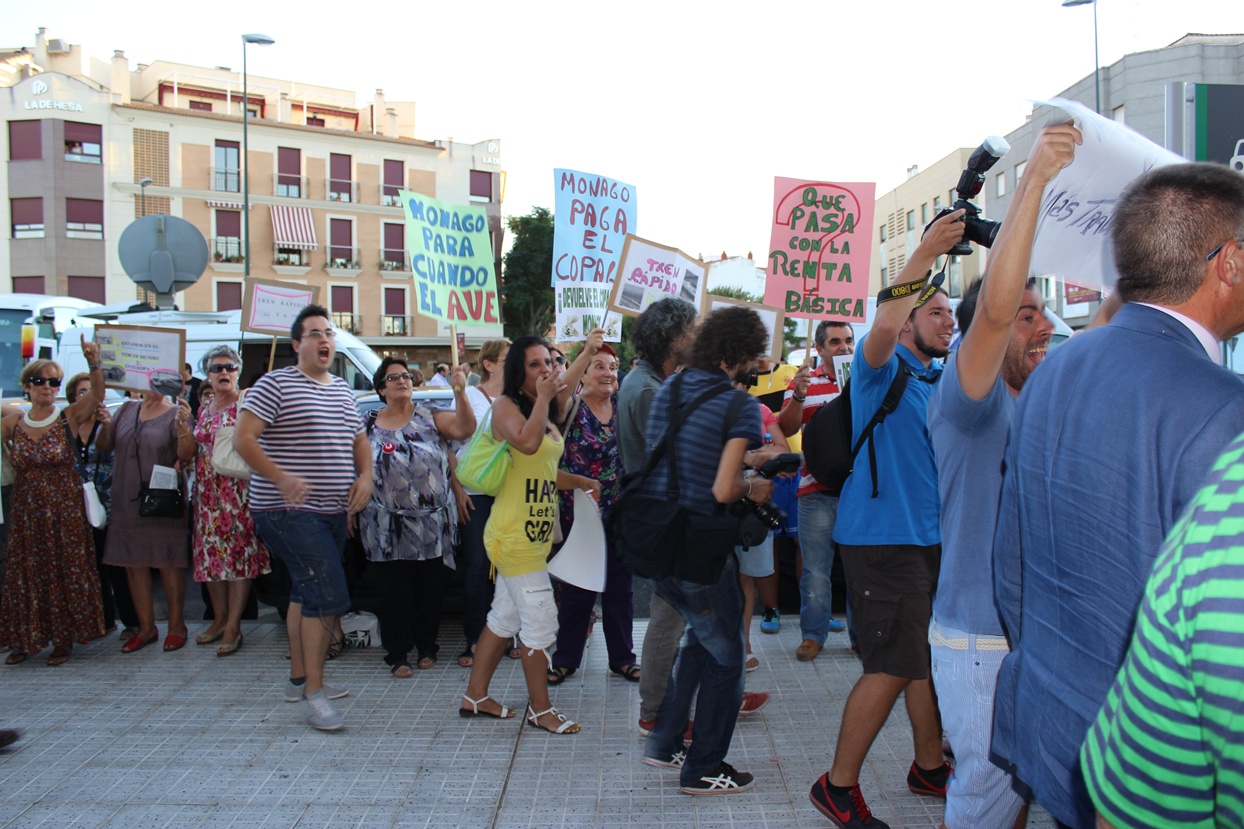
[(526, 293), (791, 336)]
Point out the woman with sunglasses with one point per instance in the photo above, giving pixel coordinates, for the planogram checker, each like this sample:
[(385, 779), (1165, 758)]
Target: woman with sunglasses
[(227, 554), (410, 526), (52, 590)]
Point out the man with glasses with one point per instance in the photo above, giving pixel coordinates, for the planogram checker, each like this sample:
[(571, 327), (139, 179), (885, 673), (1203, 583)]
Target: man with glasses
[(1111, 439), (302, 435)]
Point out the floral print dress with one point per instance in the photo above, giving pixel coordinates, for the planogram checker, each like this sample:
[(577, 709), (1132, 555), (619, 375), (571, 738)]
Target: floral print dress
[(592, 451), (225, 545)]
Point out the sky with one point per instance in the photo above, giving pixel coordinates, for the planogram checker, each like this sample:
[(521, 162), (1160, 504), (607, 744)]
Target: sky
[(697, 105)]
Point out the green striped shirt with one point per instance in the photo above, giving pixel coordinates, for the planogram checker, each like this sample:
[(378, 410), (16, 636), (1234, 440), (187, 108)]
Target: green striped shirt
[(1167, 748)]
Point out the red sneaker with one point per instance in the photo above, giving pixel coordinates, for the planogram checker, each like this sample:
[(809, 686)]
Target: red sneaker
[(753, 701)]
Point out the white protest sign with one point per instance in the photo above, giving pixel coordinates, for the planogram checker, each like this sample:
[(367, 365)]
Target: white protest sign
[(142, 358), (591, 218), (649, 271), (581, 560), (270, 306), (1073, 229)]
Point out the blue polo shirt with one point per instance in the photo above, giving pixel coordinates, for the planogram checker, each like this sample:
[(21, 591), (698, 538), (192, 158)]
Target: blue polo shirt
[(906, 508)]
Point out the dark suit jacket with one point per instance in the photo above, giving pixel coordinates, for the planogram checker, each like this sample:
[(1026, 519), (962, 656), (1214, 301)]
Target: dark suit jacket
[(192, 396), (1113, 435)]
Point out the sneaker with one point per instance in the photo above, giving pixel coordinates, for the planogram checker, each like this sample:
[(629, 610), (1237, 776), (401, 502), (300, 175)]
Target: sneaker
[(929, 783), (293, 693), (673, 761), (725, 780), (847, 810), (771, 621), (836, 626), (753, 701), (646, 726), (320, 712)]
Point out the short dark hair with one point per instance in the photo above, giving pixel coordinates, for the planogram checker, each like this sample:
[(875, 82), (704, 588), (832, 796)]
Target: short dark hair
[(1165, 224), (966, 311), (819, 336), (515, 374), (377, 379), (731, 335), (659, 327), (295, 330)]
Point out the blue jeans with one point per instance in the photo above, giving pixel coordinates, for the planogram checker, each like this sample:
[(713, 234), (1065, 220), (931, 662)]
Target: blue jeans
[(711, 659), (817, 513), (311, 545)]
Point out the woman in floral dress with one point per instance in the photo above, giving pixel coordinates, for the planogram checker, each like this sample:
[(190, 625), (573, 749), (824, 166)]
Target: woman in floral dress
[(227, 554)]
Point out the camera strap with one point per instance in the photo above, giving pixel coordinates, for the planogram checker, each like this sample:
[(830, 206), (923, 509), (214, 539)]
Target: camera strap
[(924, 286)]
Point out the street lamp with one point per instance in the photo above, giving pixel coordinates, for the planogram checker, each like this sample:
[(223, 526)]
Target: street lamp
[(259, 40), (142, 184), (1096, 59)]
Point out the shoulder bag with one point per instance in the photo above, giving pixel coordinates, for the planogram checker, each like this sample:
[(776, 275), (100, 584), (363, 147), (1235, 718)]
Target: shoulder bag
[(225, 458), (155, 503), (484, 461), (96, 515)]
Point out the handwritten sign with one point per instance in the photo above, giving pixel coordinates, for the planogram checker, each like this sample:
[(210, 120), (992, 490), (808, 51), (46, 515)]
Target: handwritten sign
[(592, 216), (270, 306), (649, 272), (451, 255), (820, 247), (1073, 229), (140, 358), (772, 318)]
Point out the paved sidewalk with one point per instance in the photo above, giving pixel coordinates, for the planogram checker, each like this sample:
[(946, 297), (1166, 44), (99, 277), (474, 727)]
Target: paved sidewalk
[(190, 740)]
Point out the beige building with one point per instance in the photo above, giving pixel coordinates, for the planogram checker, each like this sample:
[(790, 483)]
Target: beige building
[(902, 214), (82, 135)]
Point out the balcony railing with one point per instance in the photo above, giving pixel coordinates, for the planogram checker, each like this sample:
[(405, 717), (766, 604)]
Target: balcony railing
[(225, 180), (292, 257), (394, 260), (348, 322), (343, 258), (397, 325), (290, 187), (226, 249), (389, 196), (341, 190)]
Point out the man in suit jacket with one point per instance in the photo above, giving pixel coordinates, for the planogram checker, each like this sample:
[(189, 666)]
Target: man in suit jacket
[(1111, 438), (191, 389)]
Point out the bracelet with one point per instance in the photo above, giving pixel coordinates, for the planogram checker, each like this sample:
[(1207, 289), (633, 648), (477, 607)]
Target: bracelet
[(748, 481), (799, 398), (93, 366)]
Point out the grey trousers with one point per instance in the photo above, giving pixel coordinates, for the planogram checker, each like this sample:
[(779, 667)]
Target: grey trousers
[(660, 649)]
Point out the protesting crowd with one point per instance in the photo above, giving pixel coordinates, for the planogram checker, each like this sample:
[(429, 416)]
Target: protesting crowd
[(1039, 550)]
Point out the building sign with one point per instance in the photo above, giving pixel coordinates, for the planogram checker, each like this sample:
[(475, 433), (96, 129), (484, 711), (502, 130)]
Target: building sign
[(1220, 124), (1074, 294), (488, 153), (52, 91)]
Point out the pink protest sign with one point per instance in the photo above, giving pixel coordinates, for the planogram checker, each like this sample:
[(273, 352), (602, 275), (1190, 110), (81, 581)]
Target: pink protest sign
[(820, 247)]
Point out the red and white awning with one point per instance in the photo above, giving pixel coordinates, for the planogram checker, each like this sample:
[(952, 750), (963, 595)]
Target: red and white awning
[(227, 205), (292, 227)]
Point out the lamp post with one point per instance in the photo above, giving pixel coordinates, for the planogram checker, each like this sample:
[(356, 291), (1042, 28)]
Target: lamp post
[(142, 201), (261, 40), (1096, 58)]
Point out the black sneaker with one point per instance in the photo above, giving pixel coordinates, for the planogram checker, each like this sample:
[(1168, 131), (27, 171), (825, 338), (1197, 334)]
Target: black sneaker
[(929, 783), (725, 780), (673, 761), (771, 621), (847, 810)]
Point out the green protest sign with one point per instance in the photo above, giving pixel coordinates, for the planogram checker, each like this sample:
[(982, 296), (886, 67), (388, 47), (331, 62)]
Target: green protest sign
[(451, 256)]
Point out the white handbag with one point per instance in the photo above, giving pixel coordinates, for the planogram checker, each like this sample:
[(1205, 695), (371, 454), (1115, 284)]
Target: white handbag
[(225, 458), (96, 515)]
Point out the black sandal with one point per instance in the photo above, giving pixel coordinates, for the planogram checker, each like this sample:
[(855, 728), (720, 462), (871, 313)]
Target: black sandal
[(397, 666), (559, 674), (628, 672), (466, 659), (334, 648)]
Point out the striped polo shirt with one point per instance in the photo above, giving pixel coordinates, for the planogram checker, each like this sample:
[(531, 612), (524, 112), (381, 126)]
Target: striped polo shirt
[(1166, 748), (310, 434)]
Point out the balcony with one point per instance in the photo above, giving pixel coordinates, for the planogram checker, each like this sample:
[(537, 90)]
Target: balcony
[(389, 196), (289, 187), (395, 261), (227, 254), (397, 325), (225, 180), (350, 322), (343, 261), (291, 261), (341, 190)]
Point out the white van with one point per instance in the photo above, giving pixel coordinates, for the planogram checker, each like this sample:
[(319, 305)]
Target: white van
[(355, 361), (52, 317)]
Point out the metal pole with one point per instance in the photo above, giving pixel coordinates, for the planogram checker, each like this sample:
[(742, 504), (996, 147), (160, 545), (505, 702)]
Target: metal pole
[(246, 175), (1096, 60)]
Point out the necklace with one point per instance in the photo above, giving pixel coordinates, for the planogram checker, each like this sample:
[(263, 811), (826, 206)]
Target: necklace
[(39, 424)]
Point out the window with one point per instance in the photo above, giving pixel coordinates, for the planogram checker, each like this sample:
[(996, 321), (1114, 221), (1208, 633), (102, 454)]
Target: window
[(27, 218), (1118, 114), (226, 173), (315, 121), (201, 106), (395, 312), (393, 256), (289, 172), (937, 203), (25, 140), (228, 296), (84, 219), (84, 142), (394, 175), (90, 288), (1019, 171), (341, 302), (924, 213), (883, 234), (885, 276), (227, 244), (27, 284), (481, 186), (911, 220), (341, 244), (1000, 183), (340, 184)]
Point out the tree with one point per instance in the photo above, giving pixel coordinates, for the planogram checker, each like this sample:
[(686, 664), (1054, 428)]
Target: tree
[(791, 337), (526, 292)]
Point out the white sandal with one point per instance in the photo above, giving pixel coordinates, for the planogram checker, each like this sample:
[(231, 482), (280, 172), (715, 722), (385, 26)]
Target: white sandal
[(566, 727), (505, 714)]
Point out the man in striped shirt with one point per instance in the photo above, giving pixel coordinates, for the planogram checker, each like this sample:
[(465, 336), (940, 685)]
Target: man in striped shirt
[(301, 433), (1165, 749)]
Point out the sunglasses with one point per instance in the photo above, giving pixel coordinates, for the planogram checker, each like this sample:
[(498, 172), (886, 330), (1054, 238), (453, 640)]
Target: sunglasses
[(219, 367), (54, 382), (561, 361), (393, 378)]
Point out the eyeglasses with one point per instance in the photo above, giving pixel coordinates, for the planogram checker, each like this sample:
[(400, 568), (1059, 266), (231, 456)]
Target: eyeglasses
[(217, 368), (1216, 250), (393, 378), (317, 334), (54, 382)]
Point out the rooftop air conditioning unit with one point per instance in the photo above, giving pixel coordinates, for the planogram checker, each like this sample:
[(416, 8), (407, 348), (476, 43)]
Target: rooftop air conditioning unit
[(58, 47)]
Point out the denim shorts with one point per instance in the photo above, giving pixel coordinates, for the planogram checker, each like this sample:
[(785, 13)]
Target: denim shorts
[(757, 561), (311, 545), (523, 606), (784, 498)]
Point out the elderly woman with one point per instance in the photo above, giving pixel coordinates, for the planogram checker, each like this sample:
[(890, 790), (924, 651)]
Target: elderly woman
[(227, 554), (410, 526), (93, 451), (153, 432), (52, 590), (592, 460)]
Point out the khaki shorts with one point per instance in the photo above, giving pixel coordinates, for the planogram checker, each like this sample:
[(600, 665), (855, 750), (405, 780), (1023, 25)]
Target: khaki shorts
[(892, 589)]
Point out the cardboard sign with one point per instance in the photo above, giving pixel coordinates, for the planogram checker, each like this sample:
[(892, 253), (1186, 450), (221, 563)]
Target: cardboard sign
[(270, 306), (140, 358), (451, 255), (820, 247), (1073, 228), (773, 318), (591, 218), (649, 271)]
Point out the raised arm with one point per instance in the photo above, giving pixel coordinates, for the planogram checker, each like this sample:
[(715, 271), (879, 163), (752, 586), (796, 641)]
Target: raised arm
[(525, 434), (83, 409), (573, 375), (458, 424)]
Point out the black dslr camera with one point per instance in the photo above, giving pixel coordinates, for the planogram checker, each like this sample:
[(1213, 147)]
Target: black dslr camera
[(971, 180), (757, 520)]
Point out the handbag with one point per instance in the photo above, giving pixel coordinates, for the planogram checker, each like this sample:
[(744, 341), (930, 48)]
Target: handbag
[(225, 458), (485, 461), (96, 515), (155, 503)]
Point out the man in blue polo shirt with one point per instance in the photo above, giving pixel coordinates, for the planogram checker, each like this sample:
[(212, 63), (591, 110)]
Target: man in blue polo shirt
[(888, 534)]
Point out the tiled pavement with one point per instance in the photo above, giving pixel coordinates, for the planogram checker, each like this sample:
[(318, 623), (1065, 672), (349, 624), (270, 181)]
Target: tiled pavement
[(189, 740)]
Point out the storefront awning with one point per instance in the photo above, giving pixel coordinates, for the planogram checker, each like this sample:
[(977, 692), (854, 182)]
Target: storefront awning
[(292, 227), (228, 205)]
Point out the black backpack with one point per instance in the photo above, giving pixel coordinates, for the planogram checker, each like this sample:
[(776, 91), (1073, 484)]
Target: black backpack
[(827, 449)]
